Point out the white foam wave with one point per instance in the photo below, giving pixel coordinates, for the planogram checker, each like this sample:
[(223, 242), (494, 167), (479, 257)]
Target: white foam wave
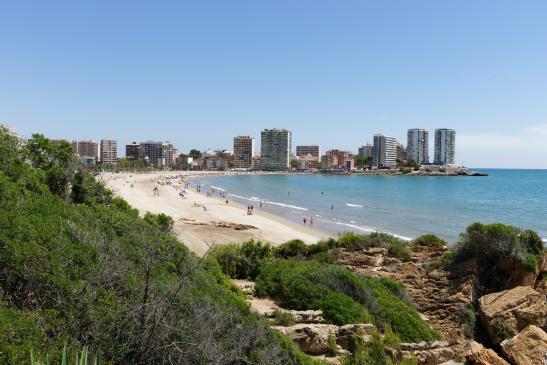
[(217, 188), (254, 199), (354, 205), (371, 230)]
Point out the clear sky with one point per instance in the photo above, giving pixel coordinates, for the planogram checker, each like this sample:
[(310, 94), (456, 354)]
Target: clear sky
[(197, 73)]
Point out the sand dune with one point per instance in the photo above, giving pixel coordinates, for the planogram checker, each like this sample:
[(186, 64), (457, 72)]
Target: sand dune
[(199, 228)]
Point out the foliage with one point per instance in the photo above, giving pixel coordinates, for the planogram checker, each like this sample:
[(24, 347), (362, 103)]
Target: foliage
[(396, 247), (283, 318), (292, 248), (160, 221), (469, 318), (343, 296), (501, 329), (242, 261), (489, 244), (195, 154), (81, 357), (81, 267), (332, 348), (374, 351), (429, 240), (530, 263)]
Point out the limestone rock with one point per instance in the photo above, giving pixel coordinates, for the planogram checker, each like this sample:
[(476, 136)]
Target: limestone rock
[(515, 308), (426, 353), (344, 334), (311, 338), (308, 316), (529, 347), (486, 357)]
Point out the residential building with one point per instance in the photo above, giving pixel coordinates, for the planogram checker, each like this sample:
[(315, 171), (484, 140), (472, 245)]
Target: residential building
[(184, 162), (365, 151), (255, 163), (384, 151), (132, 151), (275, 146), (307, 162), (312, 150), (244, 150), (402, 153), (158, 154), (417, 146), (109, 151), (338, 159), (88, 151), (445, 146)]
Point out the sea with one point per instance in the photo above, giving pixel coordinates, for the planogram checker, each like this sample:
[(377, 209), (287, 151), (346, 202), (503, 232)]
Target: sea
[(405, 206)]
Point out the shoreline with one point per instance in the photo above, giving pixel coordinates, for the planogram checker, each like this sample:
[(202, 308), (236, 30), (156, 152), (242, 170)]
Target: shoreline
[(198, 227)]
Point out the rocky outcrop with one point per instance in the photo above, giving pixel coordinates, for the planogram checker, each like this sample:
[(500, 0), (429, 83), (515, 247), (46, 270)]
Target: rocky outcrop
[(345, 333), (439, 295), (529, 347), (508, 312), (486, 357), (426, 353), (311, 338)]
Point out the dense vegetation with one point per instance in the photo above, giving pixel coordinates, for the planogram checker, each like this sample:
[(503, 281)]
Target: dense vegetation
[(80, 267), (303, 277), (499, 251)]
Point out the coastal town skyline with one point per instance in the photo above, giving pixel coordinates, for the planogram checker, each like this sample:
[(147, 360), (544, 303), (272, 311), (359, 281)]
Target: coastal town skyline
[(202, 73)]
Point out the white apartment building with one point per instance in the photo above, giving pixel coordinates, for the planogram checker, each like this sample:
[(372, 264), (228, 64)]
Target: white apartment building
[(275, 148), (445, 146), (384, 151), (109, 151), (417, 147)]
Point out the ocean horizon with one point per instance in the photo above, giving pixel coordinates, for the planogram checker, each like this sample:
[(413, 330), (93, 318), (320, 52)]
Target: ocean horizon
[(405, 206)]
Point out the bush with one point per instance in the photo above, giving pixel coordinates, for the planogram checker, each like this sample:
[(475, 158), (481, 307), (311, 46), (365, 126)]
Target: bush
[(332, 347), (469, 318), (489, 244), (354, 242), (283, 318), (292, 248), (501, 329), (530, 263), (242, 261), (343, 296), (429, 240)]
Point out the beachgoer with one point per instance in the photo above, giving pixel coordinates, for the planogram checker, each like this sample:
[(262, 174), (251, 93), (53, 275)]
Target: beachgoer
[(252, 208), (311, 221), (226, 201), (156, 191), (304, 220), (260, 204), (332, 207)]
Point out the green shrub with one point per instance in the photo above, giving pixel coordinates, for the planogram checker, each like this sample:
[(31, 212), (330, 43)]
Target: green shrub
[(501, 329), (530, 263), (343, 296), (283, 318), (332, 348), (469, 318), (293, 248), (354, 242), (429, 240), (242, 261)]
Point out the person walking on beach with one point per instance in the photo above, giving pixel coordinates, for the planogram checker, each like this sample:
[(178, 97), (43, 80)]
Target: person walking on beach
[(311, 221), (304, 220), (332, 207), (226, 201), (260, 205), (156, 191)]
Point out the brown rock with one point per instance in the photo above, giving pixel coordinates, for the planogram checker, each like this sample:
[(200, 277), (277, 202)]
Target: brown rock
[(344, 334), (311, 338), (529, 347), (515, 308), (486, 357)]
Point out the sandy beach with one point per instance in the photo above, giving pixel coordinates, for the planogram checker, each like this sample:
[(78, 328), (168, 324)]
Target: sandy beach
[(198, 228)]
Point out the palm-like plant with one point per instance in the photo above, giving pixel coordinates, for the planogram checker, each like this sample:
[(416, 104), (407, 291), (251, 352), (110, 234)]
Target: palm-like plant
[(80, 357)]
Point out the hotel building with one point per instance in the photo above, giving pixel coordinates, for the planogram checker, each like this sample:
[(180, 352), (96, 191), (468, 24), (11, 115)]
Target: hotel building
[(109, 151), (417, 146), (244, 150), (445, 146), (384, 151), (275, 148)]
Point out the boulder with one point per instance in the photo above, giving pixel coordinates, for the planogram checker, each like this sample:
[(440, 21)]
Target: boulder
[(426, 353), (513, 310), (311, 338), (486, 357), (344, 334), (529, 347), (308, 316)]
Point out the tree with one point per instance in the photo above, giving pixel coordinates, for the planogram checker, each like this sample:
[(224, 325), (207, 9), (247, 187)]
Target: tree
[(294, 164), (195, 154)]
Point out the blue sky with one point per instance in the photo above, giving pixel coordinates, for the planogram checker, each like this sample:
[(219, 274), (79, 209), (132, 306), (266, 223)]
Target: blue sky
[(334, 72)]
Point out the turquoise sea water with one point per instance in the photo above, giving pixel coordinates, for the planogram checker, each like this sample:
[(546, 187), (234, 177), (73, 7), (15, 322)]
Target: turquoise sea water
[(405, 206)]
